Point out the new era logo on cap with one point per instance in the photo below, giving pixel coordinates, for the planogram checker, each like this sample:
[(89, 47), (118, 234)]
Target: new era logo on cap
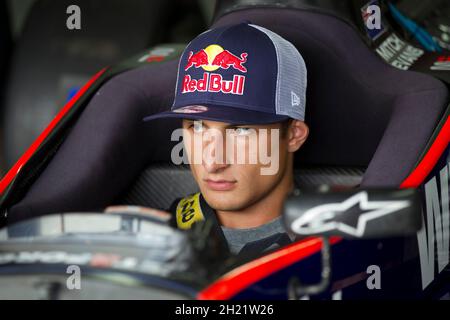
[(295, 100), (241, 73)]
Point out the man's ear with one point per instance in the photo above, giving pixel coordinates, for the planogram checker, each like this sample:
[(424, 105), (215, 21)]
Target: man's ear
[(297, 134)]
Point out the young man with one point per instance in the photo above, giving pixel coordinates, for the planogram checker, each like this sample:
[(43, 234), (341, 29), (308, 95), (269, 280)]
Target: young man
[(240, 90)]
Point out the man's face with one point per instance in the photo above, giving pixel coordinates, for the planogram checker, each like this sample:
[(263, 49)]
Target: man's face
[(229, 180)]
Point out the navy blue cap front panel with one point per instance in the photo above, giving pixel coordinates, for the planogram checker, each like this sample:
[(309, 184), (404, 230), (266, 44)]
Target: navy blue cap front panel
[(229, 66)]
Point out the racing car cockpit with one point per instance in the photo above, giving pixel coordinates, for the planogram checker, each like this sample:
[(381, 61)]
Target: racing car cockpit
[(372, 126), (369, 123)]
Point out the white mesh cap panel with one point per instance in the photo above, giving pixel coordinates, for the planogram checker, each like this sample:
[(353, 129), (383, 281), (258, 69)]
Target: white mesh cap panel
[(290, 97)]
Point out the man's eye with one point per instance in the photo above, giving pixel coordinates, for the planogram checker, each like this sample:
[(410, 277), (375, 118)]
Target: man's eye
[(241, 131)]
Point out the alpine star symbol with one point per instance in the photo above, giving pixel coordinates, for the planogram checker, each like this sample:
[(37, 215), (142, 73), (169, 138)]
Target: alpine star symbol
[(320, 219)]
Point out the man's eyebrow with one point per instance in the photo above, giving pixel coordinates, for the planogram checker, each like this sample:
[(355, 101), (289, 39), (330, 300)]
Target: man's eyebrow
[(233, 126), (228, 126), (192, 121)]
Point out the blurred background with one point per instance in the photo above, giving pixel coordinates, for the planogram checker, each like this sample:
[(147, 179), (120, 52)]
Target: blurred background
[(43, 64)]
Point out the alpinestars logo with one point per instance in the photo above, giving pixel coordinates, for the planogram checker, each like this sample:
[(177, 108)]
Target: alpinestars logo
[(319, 219), (210, 59)]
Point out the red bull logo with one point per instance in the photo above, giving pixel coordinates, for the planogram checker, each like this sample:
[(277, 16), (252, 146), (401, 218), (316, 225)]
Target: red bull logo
[(213, 82), (210, 59), (214, 57)]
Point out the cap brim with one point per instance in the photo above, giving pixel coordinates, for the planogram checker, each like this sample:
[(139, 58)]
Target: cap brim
[(223, 114)]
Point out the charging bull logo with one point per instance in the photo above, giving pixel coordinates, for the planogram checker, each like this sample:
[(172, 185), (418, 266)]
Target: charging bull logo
[(210, 59), (214, 57)]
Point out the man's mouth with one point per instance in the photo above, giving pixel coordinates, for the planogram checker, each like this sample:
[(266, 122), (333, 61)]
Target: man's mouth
[(220, 185)]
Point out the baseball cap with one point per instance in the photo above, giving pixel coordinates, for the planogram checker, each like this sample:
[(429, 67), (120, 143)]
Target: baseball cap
[(240, 74)]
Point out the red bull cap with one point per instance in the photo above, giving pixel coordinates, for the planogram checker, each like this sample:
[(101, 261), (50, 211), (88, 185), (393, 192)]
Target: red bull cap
[(240, 74)]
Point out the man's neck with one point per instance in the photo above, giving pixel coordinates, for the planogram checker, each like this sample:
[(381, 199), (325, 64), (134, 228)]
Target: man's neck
[(261, 212)]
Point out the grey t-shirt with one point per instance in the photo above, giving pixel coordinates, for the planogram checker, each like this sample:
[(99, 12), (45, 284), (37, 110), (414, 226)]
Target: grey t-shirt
[(238, 238)]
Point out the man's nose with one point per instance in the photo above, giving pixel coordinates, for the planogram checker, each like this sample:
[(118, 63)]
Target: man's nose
[(214, 159), (214, 167)]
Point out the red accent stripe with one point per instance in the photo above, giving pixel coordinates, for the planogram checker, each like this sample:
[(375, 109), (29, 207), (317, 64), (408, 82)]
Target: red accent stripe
[(12, 173), (430, 159), (240, 278)]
